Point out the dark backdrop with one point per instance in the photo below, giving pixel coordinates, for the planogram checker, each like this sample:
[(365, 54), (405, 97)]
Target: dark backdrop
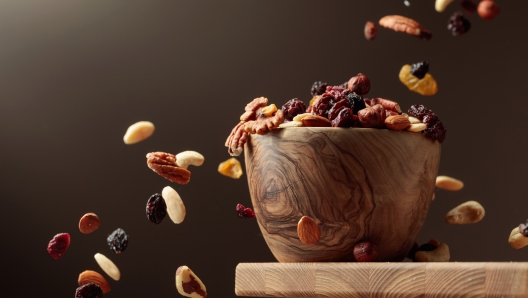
[(75, 74)]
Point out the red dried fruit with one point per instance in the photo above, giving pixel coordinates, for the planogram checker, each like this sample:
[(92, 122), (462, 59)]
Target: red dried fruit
[(418, 111), (89, 290), (58, 245), (370, 30), (322, 106), (457, 24), (293, 108), (435, 128), (243, 212), (334, 111), (318, 88), (468, 5), (117, 241), (366, 251), (345, 118), (156, 208)]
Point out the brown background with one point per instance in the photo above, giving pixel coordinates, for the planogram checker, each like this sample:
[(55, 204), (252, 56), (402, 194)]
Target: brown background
[(75, 74)]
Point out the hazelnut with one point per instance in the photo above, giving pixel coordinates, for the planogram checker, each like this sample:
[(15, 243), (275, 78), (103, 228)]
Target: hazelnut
[(372, 117), (488, 10), (366, 251), (359, 84)]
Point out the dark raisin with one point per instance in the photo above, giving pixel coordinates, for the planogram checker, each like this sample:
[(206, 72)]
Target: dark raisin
[(332, 113), (356, 102), (89, 290), (425, 35), (436, 131), (420, 69), (345, 118), (423, 247), (323, 105), (468, 5), (243, 212), (58, 245), (318, 88), (418, 111), (458, 24), (117, 241), (156, 208), (293, 108), (523, 229)]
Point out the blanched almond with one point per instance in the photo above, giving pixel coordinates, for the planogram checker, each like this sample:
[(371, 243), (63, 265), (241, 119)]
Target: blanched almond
[(175, 207), (108, 266)]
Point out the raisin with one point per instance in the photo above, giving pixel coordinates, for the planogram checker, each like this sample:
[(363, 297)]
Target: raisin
[(356, 102), (293, 108), (318, 88), (345, 118), (156, 208), (419, 69), (423, 247), (468, 5), (332, 113), (89, 290), (435, 128), (425, 35), (117, 241), (336, 92), (418, 111), (458, 24), (58, 245), (243, 212), (523, 229), (323, 105), (370, 30), (425, 86)]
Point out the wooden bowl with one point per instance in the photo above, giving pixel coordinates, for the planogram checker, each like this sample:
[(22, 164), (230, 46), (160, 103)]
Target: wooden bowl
[(356, 183)]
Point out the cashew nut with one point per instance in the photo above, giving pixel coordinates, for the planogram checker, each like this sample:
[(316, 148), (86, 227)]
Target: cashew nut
[(440, 254), (448, 183), (517, 240), (440, 5), (466, 213), (186, 158)]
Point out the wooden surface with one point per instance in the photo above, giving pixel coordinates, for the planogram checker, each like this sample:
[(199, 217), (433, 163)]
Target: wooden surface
[(401, 280), (356, 183)]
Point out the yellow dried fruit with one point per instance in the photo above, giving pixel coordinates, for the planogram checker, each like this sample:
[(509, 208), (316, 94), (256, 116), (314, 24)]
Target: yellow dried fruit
[(425, 86), (269, 110), (230, 168)]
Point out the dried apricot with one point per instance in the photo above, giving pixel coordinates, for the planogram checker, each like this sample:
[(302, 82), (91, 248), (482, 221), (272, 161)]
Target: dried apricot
[(230, 168), (425, 86)]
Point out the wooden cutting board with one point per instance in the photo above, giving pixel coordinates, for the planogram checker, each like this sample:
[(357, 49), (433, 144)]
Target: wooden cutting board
[(426, 280)]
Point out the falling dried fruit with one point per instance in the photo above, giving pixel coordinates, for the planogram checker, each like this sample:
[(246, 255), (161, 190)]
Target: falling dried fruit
[(366, 251), (89, 290), (58, 245), (425, 86), (156, 208), (90, 276), (243, 212), (230, 168), (117, 241)]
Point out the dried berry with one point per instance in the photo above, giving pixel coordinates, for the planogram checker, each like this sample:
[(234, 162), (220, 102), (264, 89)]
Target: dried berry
[(332, 113), (117, 241), (345, 118), (425, 35), (356, 102), (58, 245), (323, 105), (89, 290), (420, 69), (435, 129), (418, 111), (336, 92), (293, 108), (156, 208), (370, 30), (344, 85), (468, 5), (488, 9), (366, 251), (359, 84), (458, 24), (318, 88), (243, 212)]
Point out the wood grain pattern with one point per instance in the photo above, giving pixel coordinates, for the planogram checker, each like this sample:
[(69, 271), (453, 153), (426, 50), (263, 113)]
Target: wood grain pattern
[(357, 184), (383, 280)]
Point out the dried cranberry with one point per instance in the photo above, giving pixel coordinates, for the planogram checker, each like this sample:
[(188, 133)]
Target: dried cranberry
[(156, 208), (318, 88), (89, 290), (293, 108), (468, 5), (345, 118), (336, 92), (243, 212), (419, 69), (423, 247), (323, 105), (356, 102), (458, 24), (418, 111), (436, 132), (117, 241), (58, 245), (332, 113)]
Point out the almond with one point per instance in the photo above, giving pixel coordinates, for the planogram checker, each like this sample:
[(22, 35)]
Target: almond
[(397, 122), (108, 266), (448, 183), (89, 223), (316, 121), (308, 231), (89, 276)]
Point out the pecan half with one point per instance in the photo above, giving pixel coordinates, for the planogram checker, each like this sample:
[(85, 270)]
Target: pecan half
[(406, 25), (387, 104), (236, 140), (164, 164)]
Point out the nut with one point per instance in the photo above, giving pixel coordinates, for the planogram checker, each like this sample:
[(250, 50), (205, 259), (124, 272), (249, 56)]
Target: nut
[(186, 158), (291, 124), (416, 127), (370, 30), (397, 122), (108, 266), (366, 251), (89, 223), (440, 5), (466, 213), (517, 240), (449, 183), (138, 132), (387, 104), (299, 117), (89, 276), (372, 117), (188, 284), (164, 164), (263, 124), (175, 207), (406, 25), (236, 140), (359, 84), (488, 9), (308, 231), (440, 254), (230, 168), (414, 120), (316, 121)]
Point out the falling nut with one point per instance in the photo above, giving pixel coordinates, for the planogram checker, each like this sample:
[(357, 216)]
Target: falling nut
[(440, 5), (175, 207), (187, 158), (448, 183), (416, 127), (89, 223), (517, 240), (466, 213), (397, 122), (188, 284), (308, 231), (108, 266), (406, 25), (138, 132), (440, 254), (89, 276), (291, 124)]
